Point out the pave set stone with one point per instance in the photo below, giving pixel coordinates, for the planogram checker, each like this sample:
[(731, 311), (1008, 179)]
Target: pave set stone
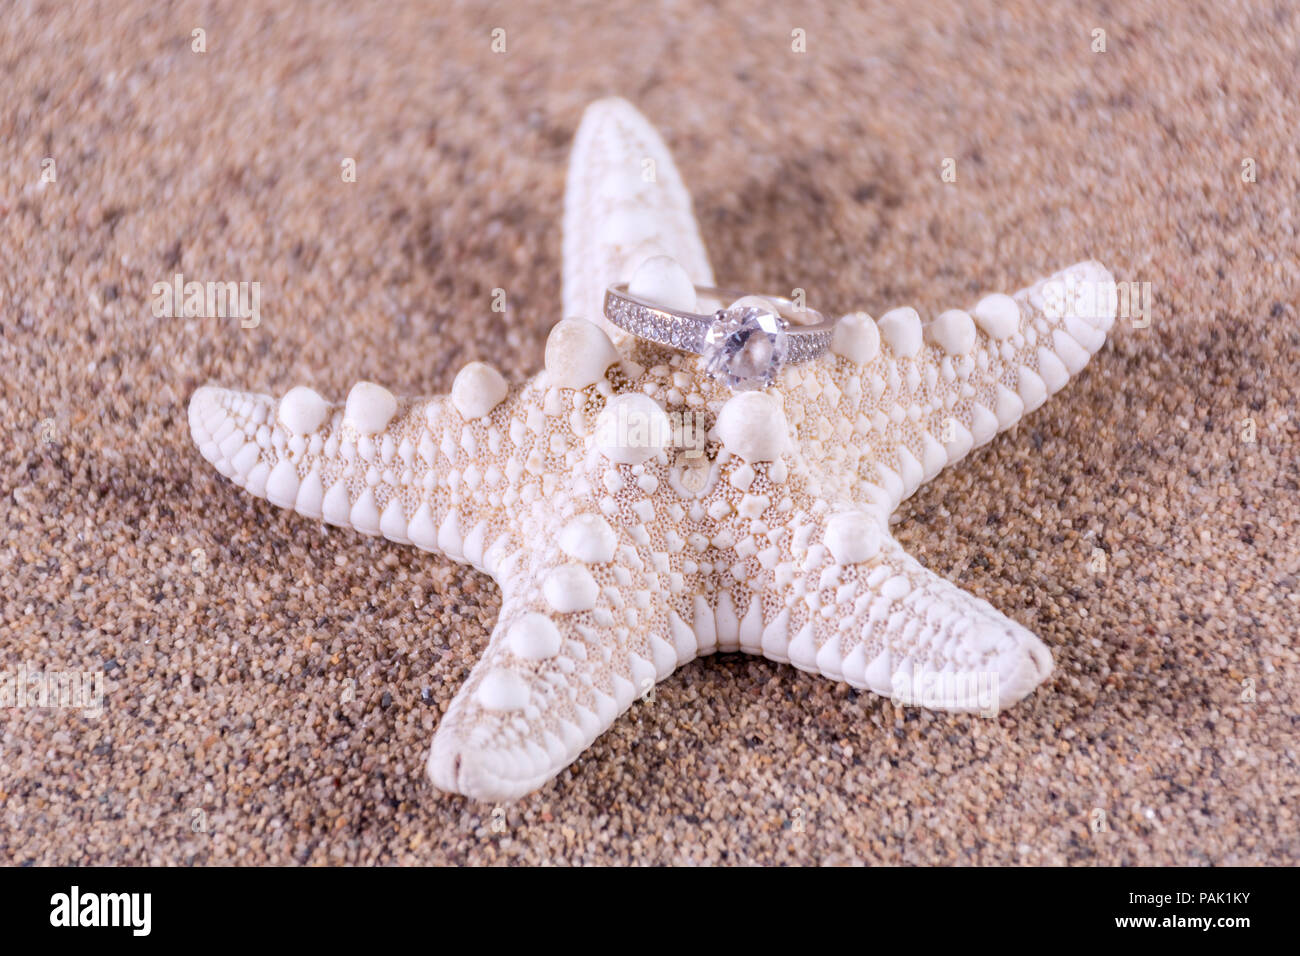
[(680, 332)]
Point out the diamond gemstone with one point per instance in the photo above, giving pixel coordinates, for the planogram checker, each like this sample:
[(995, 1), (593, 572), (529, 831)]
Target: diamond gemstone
[(746, 347)]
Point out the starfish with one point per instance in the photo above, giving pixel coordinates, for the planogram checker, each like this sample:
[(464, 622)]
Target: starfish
[(637, 514)]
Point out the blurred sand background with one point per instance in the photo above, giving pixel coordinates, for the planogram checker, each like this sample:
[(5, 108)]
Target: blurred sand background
[(227, 737)]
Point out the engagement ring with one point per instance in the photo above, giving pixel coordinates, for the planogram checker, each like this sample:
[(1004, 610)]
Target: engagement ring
[(745, 344)]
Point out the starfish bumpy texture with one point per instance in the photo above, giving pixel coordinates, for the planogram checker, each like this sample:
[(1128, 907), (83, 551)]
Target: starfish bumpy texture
[(622, 551)]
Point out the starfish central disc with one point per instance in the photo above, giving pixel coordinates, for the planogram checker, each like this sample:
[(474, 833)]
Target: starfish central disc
[(746, 347)]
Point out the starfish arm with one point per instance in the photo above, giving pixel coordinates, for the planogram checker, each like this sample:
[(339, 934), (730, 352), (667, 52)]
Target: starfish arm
[(624, 203), (403, 469), (576, 644), (913, 398), (862, 610)]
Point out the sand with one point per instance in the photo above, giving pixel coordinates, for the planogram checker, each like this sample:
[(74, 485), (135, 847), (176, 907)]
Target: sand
[(271, 686)]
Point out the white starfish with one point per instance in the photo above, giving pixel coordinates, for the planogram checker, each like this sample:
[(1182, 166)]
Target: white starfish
[(622, 556)]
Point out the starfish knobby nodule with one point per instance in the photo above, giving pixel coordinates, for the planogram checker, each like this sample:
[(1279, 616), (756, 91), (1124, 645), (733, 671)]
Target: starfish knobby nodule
[(623, 550)]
